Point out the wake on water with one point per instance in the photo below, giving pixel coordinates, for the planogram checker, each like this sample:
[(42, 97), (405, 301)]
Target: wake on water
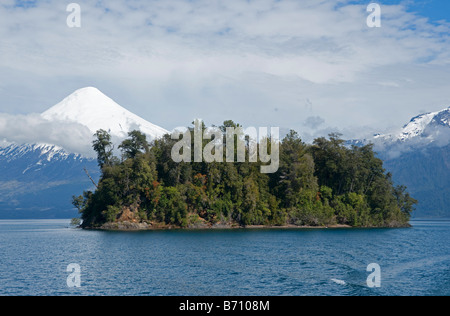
[(340, 282)]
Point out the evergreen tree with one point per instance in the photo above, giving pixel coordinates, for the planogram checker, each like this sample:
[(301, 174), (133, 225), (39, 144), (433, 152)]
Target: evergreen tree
[(136, 143), (103, 147)]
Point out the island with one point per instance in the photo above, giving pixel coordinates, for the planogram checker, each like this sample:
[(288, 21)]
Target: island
[(324, 184)]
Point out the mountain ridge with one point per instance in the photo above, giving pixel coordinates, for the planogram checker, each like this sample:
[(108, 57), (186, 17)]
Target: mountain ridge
[(422, 125)]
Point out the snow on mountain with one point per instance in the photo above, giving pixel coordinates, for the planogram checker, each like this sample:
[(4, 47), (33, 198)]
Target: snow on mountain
[(91, 108), (45, 152), (38, 180), (422, 131), (424, 126), (68, 127), (39, 161), (87, 107), (418, 156)]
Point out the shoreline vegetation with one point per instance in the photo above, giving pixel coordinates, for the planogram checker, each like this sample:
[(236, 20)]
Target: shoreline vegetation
[(321, 185)]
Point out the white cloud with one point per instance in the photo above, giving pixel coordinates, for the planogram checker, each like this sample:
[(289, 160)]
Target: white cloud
[(32, 128), (278, 37), (314, 122), (172, 61)]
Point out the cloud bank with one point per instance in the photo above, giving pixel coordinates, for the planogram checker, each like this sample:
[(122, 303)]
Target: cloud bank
[(32, 128), (260, 63)]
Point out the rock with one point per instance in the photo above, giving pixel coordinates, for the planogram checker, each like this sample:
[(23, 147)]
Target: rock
[(125, 225)]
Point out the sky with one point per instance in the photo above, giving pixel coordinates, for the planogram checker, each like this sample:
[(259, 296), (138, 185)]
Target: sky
[(314, 66)]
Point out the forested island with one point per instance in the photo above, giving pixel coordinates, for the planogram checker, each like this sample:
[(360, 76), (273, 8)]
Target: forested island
[(323, 184)]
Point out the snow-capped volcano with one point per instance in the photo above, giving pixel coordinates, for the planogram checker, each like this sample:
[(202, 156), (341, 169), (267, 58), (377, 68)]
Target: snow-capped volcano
[(91, 108), (70, 124), (39, 176), (424, 125)]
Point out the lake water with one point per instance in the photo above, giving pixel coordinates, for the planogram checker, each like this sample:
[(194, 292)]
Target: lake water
[(34, 255)]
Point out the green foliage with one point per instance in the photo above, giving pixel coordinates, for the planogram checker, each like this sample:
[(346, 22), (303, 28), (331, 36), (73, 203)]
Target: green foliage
[(134, 145), (111, 213), (78, 202), (103, 147), (171, 208), (322, 184), (75, 221)]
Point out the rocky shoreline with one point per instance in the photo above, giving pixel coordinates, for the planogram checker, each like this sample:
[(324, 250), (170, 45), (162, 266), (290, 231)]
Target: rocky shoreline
[(143, 226)]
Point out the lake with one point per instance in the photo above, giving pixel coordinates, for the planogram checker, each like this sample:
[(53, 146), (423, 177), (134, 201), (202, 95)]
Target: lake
[(35, 255)]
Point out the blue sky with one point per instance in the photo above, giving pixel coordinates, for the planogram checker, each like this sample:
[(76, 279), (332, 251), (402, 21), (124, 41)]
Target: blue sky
[(435, 10), (313, 66)]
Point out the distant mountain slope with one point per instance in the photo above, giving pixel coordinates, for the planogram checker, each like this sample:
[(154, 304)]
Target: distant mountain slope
[(426, 173), (38, 181), (418, 156)]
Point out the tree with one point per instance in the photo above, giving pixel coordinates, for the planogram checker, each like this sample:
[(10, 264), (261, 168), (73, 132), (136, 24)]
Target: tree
[(134, 145), (404, 200), (103, 147), (295, 178), (79, 202), (75, 221), (330, 158)]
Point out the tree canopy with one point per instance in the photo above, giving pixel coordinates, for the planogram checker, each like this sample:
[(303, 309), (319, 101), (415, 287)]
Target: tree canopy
[(319, 184)]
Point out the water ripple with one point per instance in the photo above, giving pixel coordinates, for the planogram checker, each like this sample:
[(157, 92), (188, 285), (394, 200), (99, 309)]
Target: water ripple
[(34, 256)]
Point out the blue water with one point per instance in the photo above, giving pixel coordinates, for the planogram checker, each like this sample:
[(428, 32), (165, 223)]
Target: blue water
[(34, 255)]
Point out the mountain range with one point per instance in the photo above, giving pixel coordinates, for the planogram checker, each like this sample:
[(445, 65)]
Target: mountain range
[(38, 180)]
